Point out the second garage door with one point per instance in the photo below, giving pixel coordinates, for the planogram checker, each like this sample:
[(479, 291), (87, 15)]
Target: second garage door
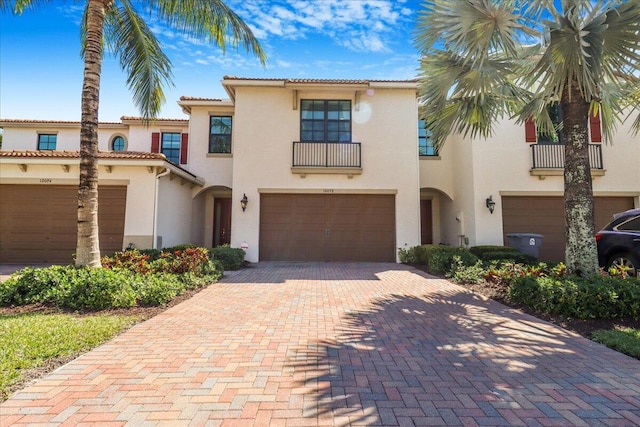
[(545, 215), (327, 227), (39, 223)]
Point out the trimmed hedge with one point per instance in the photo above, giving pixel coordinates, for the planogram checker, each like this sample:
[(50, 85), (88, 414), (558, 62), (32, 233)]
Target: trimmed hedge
[(439, 259), (231, 258), (490, 253), (127, 279), (444, 259), (481, 251), (519, 277), (593, 297)]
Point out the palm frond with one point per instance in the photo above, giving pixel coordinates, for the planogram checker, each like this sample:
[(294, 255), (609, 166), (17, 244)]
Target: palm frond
[(148, 69), (474, 29), (17, 7), (208, 19)]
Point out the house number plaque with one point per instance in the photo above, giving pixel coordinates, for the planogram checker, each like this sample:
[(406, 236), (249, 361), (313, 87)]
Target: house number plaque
[(327, 190)]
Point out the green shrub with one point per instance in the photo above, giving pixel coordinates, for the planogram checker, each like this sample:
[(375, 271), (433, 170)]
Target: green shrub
[(480, 251), (177, 260), (133, 260), (189, 260), (157, 289), (593, 297), (35, 285), (70, 287), (464, 274), (230, 258), (153, 254), (502, 253), (98, 289), (509, 256), (440, 259), (128, 280), (181, 247), (418, 255)]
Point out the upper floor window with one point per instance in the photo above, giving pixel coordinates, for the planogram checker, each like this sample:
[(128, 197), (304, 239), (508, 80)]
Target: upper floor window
[(171, 146), (47, 141), (425, 141), (219, 134), (325, 121), (118, 143), (555, 113)]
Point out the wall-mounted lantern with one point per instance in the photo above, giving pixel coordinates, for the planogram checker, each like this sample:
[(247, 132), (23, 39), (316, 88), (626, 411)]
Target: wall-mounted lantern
[(243, 202), (491, 205)]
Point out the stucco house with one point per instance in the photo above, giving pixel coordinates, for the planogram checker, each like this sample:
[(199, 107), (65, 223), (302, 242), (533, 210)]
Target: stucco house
[(298, 170)]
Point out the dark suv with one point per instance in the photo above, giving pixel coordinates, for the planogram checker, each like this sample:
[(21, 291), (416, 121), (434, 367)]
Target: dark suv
[(619, 242)]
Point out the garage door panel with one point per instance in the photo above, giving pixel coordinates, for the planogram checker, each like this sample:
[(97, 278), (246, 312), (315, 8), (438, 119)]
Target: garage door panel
[(545, 215), (39, 223), (328, 227)]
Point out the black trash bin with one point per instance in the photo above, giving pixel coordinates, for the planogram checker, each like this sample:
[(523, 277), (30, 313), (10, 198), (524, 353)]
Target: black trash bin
[(526, 243)]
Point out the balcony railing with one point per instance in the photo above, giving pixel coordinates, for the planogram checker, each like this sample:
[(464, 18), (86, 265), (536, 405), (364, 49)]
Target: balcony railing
[(327, 154), (551, 156)]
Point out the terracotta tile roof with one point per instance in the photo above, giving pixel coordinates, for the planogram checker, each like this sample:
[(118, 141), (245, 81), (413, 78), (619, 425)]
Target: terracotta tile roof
[(53, 122), (330, 81), (158, 119), (195, 98), (54, 154)]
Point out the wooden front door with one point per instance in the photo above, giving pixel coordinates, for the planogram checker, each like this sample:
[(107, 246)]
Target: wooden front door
[(221, 221), (426, 222)]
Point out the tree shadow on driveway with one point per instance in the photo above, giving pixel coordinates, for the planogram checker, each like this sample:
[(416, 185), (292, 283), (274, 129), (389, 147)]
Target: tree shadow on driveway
[(454, 358)]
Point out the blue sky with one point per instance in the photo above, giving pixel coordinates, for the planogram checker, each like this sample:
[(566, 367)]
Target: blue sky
[(41, 68)]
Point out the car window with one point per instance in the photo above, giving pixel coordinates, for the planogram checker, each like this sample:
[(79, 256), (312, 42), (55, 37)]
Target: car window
[(631, 225)]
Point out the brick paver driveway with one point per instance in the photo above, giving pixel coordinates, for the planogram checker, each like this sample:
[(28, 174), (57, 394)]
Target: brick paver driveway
[(337, 344)]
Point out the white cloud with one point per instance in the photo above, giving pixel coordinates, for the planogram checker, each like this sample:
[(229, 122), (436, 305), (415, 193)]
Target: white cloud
[(359, 25)]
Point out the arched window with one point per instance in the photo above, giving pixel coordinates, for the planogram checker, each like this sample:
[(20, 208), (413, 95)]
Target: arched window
[(118, 143)]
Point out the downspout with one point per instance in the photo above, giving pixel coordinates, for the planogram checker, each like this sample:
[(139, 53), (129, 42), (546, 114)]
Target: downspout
[(166, 172)]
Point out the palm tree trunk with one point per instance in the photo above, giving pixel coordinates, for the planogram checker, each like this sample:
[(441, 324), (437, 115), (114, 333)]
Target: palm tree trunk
[(581, 253), (88, 244)]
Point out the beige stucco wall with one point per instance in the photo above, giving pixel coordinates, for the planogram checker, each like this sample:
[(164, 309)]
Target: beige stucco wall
[(174, 211), (265, 126), (139, 135), (25, 137), (501, 167), (215, 169)]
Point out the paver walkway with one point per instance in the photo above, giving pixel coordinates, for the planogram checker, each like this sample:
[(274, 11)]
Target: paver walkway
[(337, 344)]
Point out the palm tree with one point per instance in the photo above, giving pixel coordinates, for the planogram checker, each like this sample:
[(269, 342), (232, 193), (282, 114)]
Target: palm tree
[(117, 25), (484, 60)]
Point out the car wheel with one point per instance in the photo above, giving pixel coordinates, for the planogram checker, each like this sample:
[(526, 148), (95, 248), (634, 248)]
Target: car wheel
[(625, 262)]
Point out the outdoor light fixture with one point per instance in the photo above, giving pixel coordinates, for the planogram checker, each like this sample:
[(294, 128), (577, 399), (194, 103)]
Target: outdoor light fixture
[(243, 202), (491, 205)]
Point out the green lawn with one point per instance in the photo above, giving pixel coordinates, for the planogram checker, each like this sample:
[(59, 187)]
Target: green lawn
[(32, 340), (624, 340)]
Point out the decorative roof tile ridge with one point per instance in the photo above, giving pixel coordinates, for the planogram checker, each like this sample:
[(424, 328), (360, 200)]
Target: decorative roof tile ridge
[(197, 98), (72, 154), (314, 80), (61, 122), (157, 119)]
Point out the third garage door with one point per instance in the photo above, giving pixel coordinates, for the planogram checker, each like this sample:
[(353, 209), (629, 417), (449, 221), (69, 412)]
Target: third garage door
[(327, 227), (38, 224), (545, 215)]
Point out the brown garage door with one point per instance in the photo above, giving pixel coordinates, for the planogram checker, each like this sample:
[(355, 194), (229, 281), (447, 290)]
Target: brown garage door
[(327, 227), (38, 223), (545, 215)]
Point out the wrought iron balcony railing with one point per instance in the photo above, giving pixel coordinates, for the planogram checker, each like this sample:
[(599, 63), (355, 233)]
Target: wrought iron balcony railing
[(551, 156), (327, 154)]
